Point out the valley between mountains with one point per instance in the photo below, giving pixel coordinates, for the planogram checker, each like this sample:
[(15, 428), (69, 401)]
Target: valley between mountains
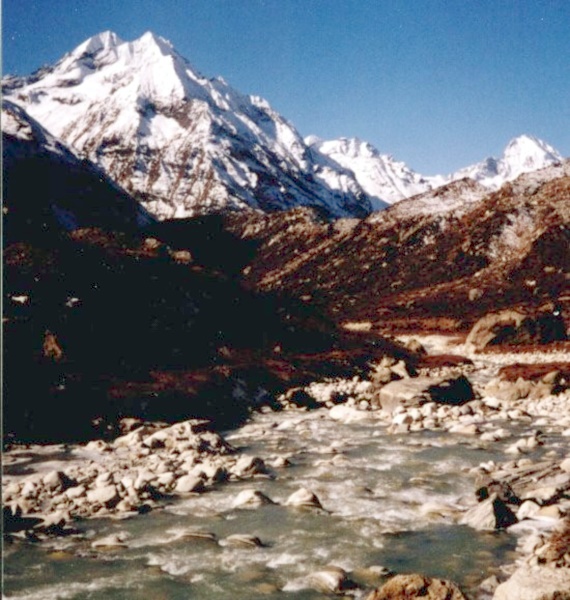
[(240, 363)]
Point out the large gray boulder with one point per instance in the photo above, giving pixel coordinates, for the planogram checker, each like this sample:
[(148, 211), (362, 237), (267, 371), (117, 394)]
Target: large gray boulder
[(420, 390), (536, 583), (489, 515), (545, 482)]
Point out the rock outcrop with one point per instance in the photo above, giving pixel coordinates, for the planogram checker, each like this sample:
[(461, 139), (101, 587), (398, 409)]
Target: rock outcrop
[(511, 327)]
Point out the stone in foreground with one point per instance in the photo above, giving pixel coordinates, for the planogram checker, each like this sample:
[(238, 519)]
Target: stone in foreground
[(409, 587), (536, 583), (304, 498)]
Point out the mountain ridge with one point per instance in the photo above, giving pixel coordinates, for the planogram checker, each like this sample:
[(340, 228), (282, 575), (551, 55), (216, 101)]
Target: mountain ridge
[(385, 178), (435, 270)]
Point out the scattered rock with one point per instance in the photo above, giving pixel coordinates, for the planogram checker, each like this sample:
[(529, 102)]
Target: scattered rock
[(194, 535), (107, 496), (303, 498), (251, 499), (182, 257), (189, 484), (244, 539), (420, 390), (300, 398), (248, 466), (489, 585), (331, 580), (528, 509), (56, 480), (348, 414), (514, 327), (281, 462)]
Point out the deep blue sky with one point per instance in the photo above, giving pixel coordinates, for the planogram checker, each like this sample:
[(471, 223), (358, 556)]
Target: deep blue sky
[(437, 83)]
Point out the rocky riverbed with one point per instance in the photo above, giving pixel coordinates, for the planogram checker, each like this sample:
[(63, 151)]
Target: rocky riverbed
[(456, 474)]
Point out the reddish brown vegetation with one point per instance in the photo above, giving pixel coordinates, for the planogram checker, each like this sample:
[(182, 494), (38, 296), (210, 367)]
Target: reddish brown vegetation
[(559, 546), (528, 348), (146, 337), (425, 273), (436, 361), (534, 372)]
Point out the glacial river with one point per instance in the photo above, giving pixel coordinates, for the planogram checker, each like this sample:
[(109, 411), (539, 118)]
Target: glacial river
[(391, 502)]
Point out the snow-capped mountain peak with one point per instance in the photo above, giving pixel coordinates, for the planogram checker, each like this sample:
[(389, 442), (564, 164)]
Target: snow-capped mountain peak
[(527, 153), (381, 176), (183, 144), (385, 178), (180, 142)]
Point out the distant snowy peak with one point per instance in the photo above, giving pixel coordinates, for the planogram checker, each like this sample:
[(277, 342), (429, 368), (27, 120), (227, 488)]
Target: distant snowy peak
[(380, 175), (386, 179), (181, 143), (531, 152), (523, 154)]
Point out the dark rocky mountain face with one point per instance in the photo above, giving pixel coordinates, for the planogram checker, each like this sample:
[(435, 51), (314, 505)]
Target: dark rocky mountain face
[(403, 271), (46, 187)]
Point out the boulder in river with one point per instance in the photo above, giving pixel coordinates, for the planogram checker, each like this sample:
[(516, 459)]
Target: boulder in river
[(303, 498), (251, 499), (331, 580), (489, 515), (248, 466), (243, 539)]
